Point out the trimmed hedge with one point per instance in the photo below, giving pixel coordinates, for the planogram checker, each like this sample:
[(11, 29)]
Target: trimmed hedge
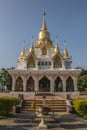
[(81, 107), (6, 105)]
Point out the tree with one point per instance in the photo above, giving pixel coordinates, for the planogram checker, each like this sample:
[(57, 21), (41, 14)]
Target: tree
[(82, 81), (5, 78)]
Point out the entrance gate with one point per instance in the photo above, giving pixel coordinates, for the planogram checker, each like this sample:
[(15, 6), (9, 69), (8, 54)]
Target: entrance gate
[(44, 85)]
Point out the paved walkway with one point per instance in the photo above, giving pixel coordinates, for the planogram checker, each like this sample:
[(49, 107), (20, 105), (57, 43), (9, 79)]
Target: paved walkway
[(23, 122)]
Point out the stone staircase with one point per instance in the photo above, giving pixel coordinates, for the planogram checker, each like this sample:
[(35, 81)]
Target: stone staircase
[(55, 103)]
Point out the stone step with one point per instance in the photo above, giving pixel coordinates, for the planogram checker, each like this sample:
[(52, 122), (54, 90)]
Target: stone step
[(56, 105), (55, 110), (62, 105)]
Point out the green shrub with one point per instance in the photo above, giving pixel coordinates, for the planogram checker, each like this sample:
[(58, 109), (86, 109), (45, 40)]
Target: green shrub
[(6, 105), (81, 107), (85, 89)]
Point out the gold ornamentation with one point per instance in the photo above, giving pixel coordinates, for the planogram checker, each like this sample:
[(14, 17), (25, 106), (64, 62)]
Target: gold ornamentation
[(65, 50), (44, 42), (23, 53), (57, 51), (65, 53), (44, 35)]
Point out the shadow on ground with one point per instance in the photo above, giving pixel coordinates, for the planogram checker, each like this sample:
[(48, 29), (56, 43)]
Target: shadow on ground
[(72, 121), (65, 122)]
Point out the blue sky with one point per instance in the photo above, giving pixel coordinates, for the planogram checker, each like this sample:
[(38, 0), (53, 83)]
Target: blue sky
[(20, 19)]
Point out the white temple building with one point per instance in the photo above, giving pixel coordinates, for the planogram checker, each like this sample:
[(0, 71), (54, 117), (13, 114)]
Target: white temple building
[(44, 68)]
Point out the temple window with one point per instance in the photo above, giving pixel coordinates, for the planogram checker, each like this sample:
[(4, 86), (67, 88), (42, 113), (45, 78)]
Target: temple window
[(39, 63), (42, 63), (45, 63), (50, 63)]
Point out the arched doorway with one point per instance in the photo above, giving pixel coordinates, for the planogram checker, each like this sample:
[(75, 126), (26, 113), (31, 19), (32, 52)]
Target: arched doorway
[(44, 85), (19, 84), (30, 85), (69, 85), (58, 85)]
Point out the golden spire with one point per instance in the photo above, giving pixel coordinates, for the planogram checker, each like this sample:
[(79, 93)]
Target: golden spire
[(44, 34), (44, 22), (65, 50), (32, 49), (23, 52), (57, 51)]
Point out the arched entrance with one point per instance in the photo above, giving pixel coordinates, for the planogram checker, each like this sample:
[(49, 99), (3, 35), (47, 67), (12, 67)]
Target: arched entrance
[(19, 84), (44, 85), (69, 85), (58, 85), (30, 85)]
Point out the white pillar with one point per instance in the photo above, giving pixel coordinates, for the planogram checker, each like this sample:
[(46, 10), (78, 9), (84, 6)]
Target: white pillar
[(64, 84), (24, 86), (36, 84), (75, 83), (24, 83), (13, 83), (52, 84)]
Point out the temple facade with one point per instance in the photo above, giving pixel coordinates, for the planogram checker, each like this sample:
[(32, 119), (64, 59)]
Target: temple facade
[(44, 68)]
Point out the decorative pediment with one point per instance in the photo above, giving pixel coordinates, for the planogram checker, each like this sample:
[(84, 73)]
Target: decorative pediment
[(31, 62), (31, 59)]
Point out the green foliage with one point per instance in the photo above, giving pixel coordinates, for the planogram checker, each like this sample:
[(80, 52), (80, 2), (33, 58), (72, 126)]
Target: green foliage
[(2, 117), (82, 81), (5, 78), (6, 105), (81, 107), (84, 72), (85, 89)]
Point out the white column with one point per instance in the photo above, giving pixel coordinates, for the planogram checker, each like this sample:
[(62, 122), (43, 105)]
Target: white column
[(36, 64), (13, 83), (52, 84), (36, 84), (75, 83), (64, 84), (24, 83)]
